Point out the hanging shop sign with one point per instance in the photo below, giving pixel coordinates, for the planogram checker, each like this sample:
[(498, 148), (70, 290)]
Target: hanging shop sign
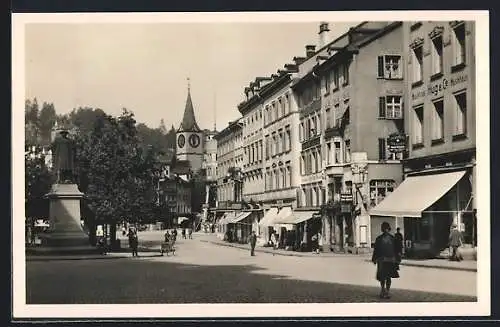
[(346, 197), (396, 143)]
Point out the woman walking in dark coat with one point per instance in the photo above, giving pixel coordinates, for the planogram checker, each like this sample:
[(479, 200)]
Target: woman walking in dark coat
[(385, 257), (133, 241)]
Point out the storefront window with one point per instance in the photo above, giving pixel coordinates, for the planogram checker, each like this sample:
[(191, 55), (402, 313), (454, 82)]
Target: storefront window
[(379, 189)]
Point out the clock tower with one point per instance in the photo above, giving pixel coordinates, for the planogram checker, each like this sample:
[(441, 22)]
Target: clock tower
[(189, 137)]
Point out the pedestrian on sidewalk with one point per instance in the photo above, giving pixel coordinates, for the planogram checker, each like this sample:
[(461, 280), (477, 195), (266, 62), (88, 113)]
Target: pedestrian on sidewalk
[(398, 238), (253, 241), (174, 234), (274, 241), (315, 242), (184, 233), (190, 231), (384, 256), (133, 241), (455, 242)]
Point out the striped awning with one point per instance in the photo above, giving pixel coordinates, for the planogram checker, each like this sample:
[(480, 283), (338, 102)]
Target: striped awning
[(269, 216), (240, 217), (296, 217), (228, 216)]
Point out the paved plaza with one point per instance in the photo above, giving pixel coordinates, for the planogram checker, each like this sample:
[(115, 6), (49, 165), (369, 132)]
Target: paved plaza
[(204, 272)]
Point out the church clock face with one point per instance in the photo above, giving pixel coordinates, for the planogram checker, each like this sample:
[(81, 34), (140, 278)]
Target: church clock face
[(181, 141), (194, 140)]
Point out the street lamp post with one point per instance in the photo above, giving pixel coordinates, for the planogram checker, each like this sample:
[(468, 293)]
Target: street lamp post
[(359, 169)]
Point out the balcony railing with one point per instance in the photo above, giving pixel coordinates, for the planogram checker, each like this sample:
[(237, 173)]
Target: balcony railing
[(315, 105), (271, 195)]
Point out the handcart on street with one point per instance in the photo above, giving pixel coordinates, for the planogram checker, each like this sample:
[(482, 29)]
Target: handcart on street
[(168, 246)]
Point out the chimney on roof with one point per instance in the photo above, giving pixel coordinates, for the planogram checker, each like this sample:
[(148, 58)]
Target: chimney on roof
[(310, 50), (291, 68), (323, 34), (299, 60)]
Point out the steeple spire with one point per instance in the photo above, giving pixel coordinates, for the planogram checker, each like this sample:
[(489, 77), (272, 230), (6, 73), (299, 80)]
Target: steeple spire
[(188, 123), (215, 111)]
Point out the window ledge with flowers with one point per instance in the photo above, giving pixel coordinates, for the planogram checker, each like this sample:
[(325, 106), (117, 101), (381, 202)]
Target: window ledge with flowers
[(330, 207)]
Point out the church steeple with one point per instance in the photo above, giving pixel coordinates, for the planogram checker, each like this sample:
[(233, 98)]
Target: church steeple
[(188, 123)]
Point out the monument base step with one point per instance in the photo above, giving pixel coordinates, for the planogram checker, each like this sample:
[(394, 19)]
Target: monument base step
[(65, 239), (66, 251)]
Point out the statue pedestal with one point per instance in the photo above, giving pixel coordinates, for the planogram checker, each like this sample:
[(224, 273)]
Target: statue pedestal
[(65, 234)]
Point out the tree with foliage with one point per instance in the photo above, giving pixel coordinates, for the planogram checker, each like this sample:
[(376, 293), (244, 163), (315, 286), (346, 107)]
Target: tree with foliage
[(46, 121), (115, 172), (84, 118), (38, 180), (31, 123)]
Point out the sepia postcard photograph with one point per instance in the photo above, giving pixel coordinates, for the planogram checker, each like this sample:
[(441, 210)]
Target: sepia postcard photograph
[(272, 164)]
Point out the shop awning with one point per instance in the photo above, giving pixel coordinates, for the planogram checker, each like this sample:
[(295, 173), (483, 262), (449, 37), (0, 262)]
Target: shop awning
[(240, 217), (269, 216), (296, 217), (283, 214), (228, 216), (415, 194)]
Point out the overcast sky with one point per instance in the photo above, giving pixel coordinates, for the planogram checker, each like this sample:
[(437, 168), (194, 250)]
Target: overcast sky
[(144, 67)]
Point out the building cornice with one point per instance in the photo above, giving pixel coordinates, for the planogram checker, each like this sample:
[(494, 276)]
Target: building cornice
[(275, 86), (233, 126)]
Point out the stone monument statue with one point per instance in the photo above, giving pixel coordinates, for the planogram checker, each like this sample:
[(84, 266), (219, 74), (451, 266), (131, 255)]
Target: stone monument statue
[(65, 234), (64, 158)]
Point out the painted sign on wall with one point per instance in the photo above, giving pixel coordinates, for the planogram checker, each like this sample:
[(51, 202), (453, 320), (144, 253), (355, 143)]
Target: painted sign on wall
[(438, 87)]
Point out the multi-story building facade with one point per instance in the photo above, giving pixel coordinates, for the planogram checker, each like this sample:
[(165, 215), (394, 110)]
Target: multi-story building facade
[(180, 174), (440, 173), (280, 147), (229, 166), (209, 168), (350, 96), (229, 175), (253, 142)]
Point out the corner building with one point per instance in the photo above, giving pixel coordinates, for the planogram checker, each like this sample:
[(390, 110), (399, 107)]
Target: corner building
[(350, 97), (440, 173)]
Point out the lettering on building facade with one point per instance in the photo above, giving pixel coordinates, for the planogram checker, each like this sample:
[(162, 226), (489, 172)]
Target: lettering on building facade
[(438, 87)]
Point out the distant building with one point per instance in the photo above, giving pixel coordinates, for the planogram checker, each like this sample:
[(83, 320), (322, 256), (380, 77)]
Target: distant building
[(281, 151), (209, 167), (229, 173)]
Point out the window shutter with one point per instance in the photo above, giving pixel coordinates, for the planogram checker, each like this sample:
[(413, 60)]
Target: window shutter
[(381, 107), (381, 149), (380, 66)]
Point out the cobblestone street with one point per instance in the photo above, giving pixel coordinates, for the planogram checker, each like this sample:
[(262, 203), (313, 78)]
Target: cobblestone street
[(203, 272)]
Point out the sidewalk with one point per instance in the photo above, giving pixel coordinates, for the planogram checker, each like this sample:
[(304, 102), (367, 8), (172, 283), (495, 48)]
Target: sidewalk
[(468, 265), (110, 255)]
